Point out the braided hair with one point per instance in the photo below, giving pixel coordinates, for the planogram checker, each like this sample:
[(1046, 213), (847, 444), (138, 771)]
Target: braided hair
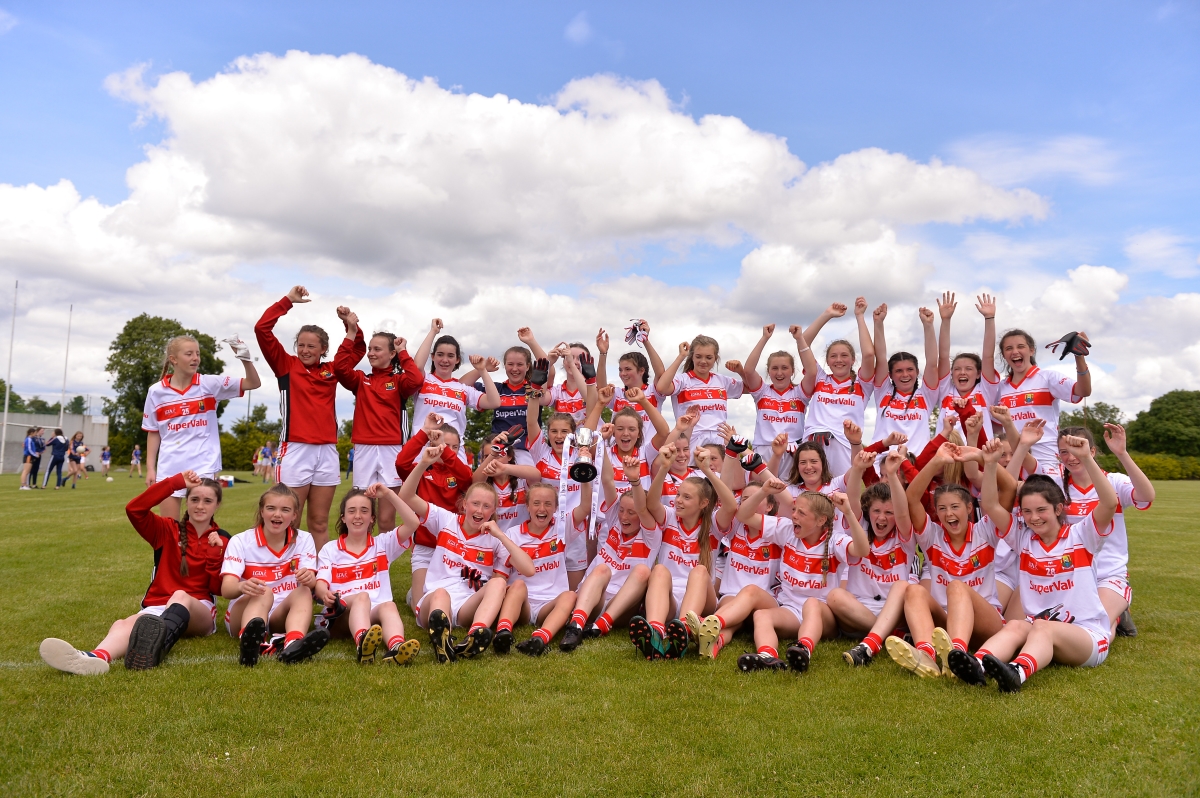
[(822, 507), (1074, 432), (902, 357), (215, 487)]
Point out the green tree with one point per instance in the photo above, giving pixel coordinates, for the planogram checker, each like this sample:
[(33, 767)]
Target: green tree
[(1170, 426), (77, 406), (135, 363), (15, 403), (39, 405), (245, 436), (1097, 416)]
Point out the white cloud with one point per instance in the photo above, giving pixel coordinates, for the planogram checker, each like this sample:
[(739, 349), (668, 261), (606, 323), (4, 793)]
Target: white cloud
[(7, 22), (578, 30), (1163, 251), (1009, 161), (405, 200)]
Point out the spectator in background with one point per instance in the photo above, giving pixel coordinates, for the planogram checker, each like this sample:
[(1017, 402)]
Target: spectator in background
[(27, 454), (135, 461), (105, 460), (39, 446), (76, 452), (58, 454), (349, 462)]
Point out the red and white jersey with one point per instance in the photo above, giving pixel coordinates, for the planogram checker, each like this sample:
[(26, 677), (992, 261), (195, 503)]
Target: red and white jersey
[(550, 466), (348, 572), (1113, 560), (908, 415), (680, 550), (622, 554), (618, 401), (983, 397), (511, 511), (549, 578), (672, 482), (249, 556), (186, 422), (450, 399), (835, 485), (778, 412), (564, 399), (455, 550), (890, 561), (974, 563), (833, 402), (805, 571), (1037, 396), (1060, 580), (645, 455), (750, 563), (710, 395)]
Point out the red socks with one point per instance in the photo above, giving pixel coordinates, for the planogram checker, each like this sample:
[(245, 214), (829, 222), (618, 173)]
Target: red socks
[(769, 651), (928, 649), (959, 645), (658, 627), (604, 623), (102, 654), (979, 654), (579, 618), (475, 627), (358, 636), (721, 621), (395, 642), (807, 643), (1027, 664), (292, 637), (504, 626), (873, 643), (542, 634)]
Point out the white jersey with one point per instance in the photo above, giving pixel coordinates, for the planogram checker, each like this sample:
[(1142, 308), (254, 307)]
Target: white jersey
[(455, 550), (680, 551), (1059, 582), (618, 401), (710, 395), (778, 412), (833, 402), (511, 510), (645, 455), (974, 563), (908, 415), (672, 482), (1113, 559), (890, 561), (249, 556), (622, 554), (450, 399), (1038, 396), (569, 401), (186, 422), (835, 485), (550, 466), (750, 563), (983, 397), (347, 572), (805, 571), (549, 578)]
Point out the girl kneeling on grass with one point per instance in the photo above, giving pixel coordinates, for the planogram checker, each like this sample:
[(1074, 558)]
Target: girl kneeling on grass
[(543, 599), (179, 601), (352, 574), (961, 603), (459, 587), (268, 576), (1058, 583), (681, 582), (813, 549)]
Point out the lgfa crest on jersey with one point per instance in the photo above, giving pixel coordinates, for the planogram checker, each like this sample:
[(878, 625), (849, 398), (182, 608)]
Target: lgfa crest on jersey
[(892, 557), (554, 546), (390, 385), (974, 560), (1028, 398), (325, 372), (451, 482), (1067, 563), (765, 551), (479, 556)]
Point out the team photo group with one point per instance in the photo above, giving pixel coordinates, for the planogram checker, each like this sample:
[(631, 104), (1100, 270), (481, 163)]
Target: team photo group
[(969, 537)]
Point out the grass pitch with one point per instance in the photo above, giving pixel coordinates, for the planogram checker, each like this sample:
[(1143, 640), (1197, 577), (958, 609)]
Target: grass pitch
[(596, 721)]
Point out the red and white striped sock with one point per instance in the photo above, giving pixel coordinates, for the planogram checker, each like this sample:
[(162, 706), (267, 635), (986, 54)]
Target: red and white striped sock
[(1027, 664), (873, 643), (604, 623), (292, 637), (475, 627), (807, 643), (658, 627), (959, 644), (768, 651), (721, 621), (979, 654), (358, 636), (101, 654), (542, 634), (505, 625), (395, 642), (928, 649), (579, 617)]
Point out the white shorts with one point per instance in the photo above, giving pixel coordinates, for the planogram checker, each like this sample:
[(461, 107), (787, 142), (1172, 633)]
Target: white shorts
[(798, 611), (1003, 579), (160, 609), (875, 606), (459, 592), (837, 454), (576, 553), (302, 464), (375, 463), (535, 608), (677, 591), (705, 437), (1099, 649), (421, 557), (1119, 585), (182, 492), (719, 565)]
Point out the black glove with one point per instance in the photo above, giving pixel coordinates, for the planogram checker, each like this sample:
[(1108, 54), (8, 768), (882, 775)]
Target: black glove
[(1072, 344), (736, 445), (587, 367), (540, 372), (473, 578), (753, 462), (336, 610), (822, 438)]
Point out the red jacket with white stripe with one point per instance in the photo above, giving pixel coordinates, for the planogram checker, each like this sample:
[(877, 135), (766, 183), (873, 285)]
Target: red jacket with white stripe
[(379, 396)]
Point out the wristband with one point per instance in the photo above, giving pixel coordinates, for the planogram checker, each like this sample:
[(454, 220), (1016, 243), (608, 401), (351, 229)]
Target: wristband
[(1081, 373)]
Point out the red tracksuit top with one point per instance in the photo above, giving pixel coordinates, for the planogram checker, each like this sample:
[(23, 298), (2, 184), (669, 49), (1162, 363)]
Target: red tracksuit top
[(306, 396), (441, 484), (379, 396), (204, 560)]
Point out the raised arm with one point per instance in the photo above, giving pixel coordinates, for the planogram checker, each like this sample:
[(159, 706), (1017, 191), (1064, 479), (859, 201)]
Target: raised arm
[(1106, 495), (891, 472), (989, 498), (867, 370), (749, 374), (264, 331), (525, 336), (1022, 458), (656, 364), (1143, 488), (491, 396), (880, 346), (408, 517), (946, 308), (854, 479), (808, 360), (584, 508), (726, 500), (835, 311), (932, 362), (421, 356), (860, 545), (748, 512), (633, 477), (662, 465), (665, 382), (408, 490), (916, 489), (986, 305), (1083, 376)]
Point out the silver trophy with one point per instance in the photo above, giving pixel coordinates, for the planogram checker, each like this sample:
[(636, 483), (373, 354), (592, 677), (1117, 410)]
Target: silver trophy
[(584, 470)]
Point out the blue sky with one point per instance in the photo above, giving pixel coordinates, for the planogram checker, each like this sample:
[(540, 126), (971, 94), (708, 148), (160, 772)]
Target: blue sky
[(1095, 107)]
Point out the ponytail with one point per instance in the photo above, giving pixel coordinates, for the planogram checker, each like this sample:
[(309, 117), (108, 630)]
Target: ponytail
[(183, 537), (171, 346), (708, 498)]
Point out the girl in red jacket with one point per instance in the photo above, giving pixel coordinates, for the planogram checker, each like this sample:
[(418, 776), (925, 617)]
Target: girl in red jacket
[(308, 458), (180, 600), (378, 406)]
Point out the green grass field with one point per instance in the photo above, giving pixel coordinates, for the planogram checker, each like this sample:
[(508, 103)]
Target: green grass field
[(598, 720)]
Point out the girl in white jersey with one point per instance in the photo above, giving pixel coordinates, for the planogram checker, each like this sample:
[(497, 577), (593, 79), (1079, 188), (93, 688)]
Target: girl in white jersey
[(617, 578), (180, 416), (268, 576), (444, 394), (353, 580), (625, 434), (1134, 490), (968, 376), (1067, 622), (634, 370), (700, 387), (839, 394), (1029, 392), (961, 604), (681, 581), (498, 466), (904, 398)]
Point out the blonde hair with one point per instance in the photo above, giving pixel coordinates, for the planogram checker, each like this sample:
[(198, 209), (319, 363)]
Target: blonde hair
[(952, 473), (708, 499), (700, 340), (279, 489), (170, 348), (821, 506)]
